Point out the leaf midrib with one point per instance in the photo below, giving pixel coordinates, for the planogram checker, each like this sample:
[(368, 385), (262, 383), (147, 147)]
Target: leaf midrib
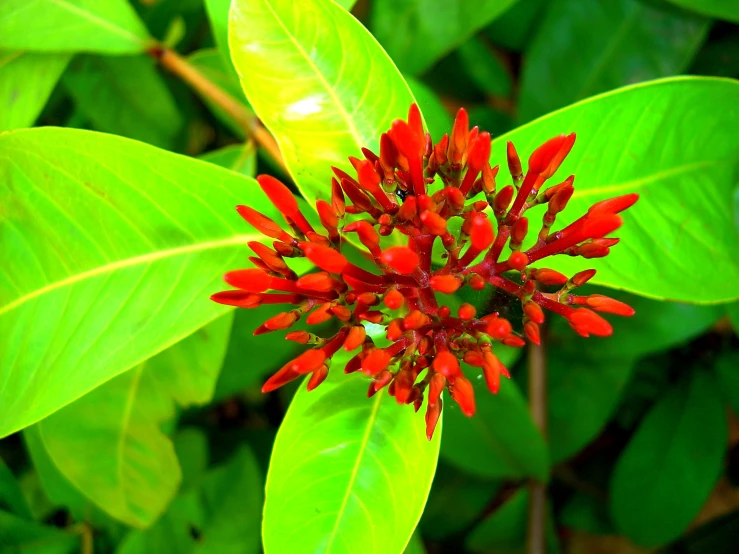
[(355, 470), (128, 262)]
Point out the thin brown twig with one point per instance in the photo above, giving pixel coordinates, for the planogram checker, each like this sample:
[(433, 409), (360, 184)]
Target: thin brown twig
[(178, 65), (536, 542)]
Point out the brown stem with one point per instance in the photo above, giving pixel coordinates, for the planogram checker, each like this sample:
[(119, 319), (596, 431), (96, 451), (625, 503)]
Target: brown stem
[(240, 114), (536, 534)]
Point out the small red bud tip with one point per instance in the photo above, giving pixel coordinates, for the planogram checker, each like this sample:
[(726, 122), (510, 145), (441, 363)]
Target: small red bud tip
[(533, 311), (498, 328), (481, 233), (375, 361), (355, 337), (435, 224), (531, 330), (282, 377), (301, 337), (432, 418), (401, 258), (278, 194), (601, 225), (549, 156), (308, 361), (406, 140), (445, 283), (466, 312), (394, 329), (601, 303), (579, 279), (479, 153), (403, 387), (460, 133), (414, 120), (367, 234), (518, 261), (319, 315), (338, 202), (415, 320), (320, 282), (318, 377), (368, 177), (327, 215), (492, 369), (238, 298), (250, 280), (477, 282), (560, 199), (394, 299), (519, 230), (514, 162), (588, 323), (263, 224), (446, 364), (464, 395), (549, 277), (324, 257), (503, 199), (613, 205)]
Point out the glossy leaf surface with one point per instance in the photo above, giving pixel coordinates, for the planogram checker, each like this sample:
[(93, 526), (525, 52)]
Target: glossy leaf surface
[(721, 9), (345, 468), (318, 80), (678, 150), (26, 81), (111, 26), (416, 32), (119, 245), (25, 536), (582, 49), (134, 473), (673, 460)]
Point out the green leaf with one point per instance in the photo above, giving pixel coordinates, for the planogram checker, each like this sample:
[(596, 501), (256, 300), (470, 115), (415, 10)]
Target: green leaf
[(582, 49), (18, 535), (125, 95), (671, 463), (513, 30), (485, 68), (26, 82), (218, 17), (468, 495), (223, 513), (72, 25), (416, 33), (727, 372), (134, 473), (500, 440), (11, 496), (217, 70), (416, 545), (232, 497), (721, 9), (109, 249), (240, 158), (191, 447), (345, 468), (438, 119), (681, 230), (732, 310), (583, 395), (318, 81)]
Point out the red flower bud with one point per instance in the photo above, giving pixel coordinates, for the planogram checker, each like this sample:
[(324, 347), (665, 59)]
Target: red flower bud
[(458, 140), (283, 320), (531, 330), (518, 261), (308, 361), (533, 311), (250, 280), (588, 323), (301, 337), (432, 418), (613, 205), (327, 215), (481, 233), (447, 364), (394, 299), (403, 386), (445, 283), (318, 377), (579, 279), (503, 200), (547, 158), (548, 277), (375, 361), (514, 162), (601, 303), (498, 327), (464, 395), (466, 312), (355, 337), (321, 282), (324, 257), (263, 224), (435, 224), (401, 258), (320, 315), (278, 194)]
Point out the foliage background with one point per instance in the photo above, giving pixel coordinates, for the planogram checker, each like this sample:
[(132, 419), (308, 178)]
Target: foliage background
[(133, 453)]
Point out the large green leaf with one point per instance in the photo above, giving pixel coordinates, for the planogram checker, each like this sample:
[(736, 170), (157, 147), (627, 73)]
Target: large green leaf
[(11, 496), (319, 82), (583, 48), (21, 536), (674, 142), (418, 32), (671, 463), (721, 9), (125, 95), (500, 440), (134, 473), (347, 470), (240, 158), (109, 249), (111, 26), (26, 81)]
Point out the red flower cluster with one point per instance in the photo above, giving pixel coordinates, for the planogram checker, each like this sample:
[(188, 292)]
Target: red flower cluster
[(391, 193)]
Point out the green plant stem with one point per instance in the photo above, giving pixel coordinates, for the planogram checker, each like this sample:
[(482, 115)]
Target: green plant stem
[(178, 65), (536, 532)]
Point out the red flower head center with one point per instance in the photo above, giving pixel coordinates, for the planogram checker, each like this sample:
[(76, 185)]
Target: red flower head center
[(390, 196)]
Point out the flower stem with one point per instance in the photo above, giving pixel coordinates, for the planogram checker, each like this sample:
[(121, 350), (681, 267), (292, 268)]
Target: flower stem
[(178, 65), (536, 533)]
